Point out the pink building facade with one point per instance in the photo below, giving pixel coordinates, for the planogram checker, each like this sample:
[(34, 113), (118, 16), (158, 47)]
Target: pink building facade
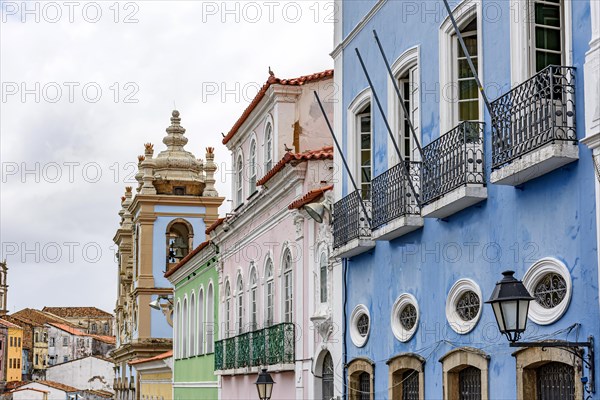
[(276, 278)]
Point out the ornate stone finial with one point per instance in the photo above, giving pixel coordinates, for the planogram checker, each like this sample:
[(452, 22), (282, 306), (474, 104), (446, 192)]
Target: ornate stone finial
[(123, 199), (128, 189), (140, 159), (149, 150), (209, 169)]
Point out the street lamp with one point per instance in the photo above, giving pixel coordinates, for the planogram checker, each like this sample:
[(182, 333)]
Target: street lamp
[(264, 385), (510, 302)]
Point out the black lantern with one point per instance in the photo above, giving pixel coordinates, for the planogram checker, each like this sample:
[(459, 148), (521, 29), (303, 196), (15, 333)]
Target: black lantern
[(264, 385), (510, 302)]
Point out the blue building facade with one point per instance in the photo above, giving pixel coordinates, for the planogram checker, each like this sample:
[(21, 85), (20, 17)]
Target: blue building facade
[(476, 193)]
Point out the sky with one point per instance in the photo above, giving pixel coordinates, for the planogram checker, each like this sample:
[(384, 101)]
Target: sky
[(86, 84)]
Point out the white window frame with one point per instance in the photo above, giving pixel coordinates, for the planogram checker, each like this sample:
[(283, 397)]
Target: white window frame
[(463, 13), (178, 330), (460, 287), (239, 179), (287, 286), (252, 165), (193, 329), (227, 309), (401, 333), (521, 54), (268, 156), (353, 144), (269, 293), (201, 321), (253, 294), (535, 273), (210, 318), (239, 305), (185, 328), (357, 338), (323, 281), (407, 61)]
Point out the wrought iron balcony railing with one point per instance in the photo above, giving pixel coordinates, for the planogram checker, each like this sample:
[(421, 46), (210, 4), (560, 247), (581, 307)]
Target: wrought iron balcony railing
[(538, 111), (349, 221), (453, 160), (392, 195), (268, 346)]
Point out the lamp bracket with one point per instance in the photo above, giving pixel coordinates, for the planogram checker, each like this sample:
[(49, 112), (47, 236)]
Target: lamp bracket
[(574, 348)]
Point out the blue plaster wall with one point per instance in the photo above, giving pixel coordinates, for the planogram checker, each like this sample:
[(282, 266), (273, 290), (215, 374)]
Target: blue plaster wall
[(552, 216)]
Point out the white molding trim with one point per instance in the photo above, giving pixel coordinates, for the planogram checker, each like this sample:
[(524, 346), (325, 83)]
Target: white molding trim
[(463, 13), (454, 320), (359, 27), (537, 313), (204, 384), (357, 339), (403, 63), (400, 332)]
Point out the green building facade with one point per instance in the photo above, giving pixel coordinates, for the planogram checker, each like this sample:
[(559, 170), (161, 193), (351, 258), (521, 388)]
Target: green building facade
[(195, 323)]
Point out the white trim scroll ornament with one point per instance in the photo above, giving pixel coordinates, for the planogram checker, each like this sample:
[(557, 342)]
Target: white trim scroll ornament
[(360, 325), (463, 306), (405, 317), (549, 281)]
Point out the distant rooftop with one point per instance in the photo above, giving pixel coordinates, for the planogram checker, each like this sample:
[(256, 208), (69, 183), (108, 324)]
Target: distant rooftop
[(76, 312)]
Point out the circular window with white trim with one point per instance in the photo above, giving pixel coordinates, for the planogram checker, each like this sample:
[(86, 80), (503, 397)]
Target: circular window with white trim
[(360, 325), (463, 306), (549, 282), (405, 317)]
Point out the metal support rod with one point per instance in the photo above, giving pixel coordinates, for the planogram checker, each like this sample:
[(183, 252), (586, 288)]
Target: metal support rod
[(337, 145), (389, 129), (572, 348), (469, 60), (400, 98)]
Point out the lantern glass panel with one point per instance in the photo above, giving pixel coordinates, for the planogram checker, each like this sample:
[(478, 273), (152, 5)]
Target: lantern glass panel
[(523, 310), (499, 318), (509, 309)]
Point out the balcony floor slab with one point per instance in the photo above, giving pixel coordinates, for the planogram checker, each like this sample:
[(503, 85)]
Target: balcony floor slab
[(455, 201), (398, 227), (354, 248), (536, 163)]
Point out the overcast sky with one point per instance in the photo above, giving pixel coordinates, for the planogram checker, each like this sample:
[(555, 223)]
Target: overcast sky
[(86, 84)]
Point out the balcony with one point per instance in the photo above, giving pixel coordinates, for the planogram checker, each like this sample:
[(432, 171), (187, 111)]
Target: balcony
[(351, 231), (453, 171), (272, 346), (396, 211), (533, 128)]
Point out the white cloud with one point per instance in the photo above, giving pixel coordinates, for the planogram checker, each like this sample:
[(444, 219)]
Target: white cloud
[(176, 49)]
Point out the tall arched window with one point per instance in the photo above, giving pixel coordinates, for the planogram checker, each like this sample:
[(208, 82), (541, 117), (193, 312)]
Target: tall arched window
[(365, 140), (268, 147), (327, 380), (468, 94), (193, 325), (269, 293), (201, 322), (253, 300), (185, 319), (210, 319), (178, 330), (239, 180), (252, 166), (240, 304), (288, 287), (227, 309), (179, 239), (323, 277)]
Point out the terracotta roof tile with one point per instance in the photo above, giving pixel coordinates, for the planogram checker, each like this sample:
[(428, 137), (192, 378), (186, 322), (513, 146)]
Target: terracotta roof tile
[(9, 324), (38, 316), (74, 312), (261, 93), (57, 385), (309, 197), (214, 225), (325, 153), (161, 356), (77, 332), (187, 258), (32, 389)]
